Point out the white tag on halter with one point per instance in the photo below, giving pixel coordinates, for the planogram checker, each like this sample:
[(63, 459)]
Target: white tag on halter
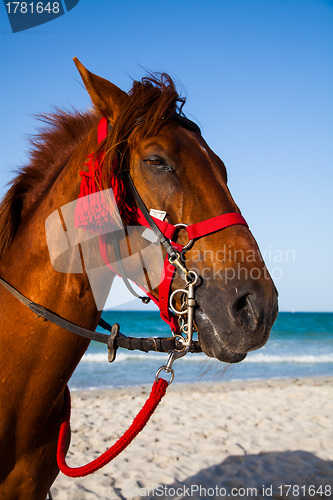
[(158, 214), (149, 234)]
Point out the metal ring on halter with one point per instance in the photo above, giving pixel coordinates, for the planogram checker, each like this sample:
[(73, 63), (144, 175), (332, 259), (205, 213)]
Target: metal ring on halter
[(171, 371), (173, 309), (190, 242), (191, 278)]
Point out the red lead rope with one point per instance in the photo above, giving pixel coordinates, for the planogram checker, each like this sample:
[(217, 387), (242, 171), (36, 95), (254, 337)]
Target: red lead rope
[(157, 393)]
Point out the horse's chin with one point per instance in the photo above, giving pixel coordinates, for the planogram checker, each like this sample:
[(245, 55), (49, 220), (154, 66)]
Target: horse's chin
[(211, 342)]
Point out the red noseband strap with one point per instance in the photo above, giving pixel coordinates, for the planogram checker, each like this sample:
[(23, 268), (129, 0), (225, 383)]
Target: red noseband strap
[(214, 224), (198, 229)]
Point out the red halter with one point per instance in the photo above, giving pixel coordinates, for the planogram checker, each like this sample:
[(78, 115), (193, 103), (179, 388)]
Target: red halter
[(194, 231), (89, 217)]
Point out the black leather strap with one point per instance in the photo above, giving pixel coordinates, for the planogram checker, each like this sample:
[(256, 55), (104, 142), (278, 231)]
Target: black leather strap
[(53, 317), (185, 122), (161, 238), (159, 344)]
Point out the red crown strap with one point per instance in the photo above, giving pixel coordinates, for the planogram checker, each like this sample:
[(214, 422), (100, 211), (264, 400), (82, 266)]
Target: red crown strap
[(102, 130)]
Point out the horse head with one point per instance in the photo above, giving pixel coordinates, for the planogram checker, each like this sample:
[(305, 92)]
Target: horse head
[(175, 171)]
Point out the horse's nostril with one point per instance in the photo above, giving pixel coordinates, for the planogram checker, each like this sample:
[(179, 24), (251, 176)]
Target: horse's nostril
[(243, 310), (241, 303)]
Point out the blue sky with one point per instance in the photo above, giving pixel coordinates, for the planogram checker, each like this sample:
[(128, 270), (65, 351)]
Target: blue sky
[(258, 75)]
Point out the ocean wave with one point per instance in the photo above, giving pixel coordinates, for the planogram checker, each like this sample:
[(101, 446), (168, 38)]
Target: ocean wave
[(198, 358), (121, 357), (290, 358), (136, 356)]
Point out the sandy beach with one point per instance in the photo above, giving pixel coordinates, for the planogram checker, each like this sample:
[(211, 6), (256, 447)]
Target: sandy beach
[(242, 439)]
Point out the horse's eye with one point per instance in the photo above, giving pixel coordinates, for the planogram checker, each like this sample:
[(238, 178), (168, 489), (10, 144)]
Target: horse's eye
[(154, 162), (158, 163)]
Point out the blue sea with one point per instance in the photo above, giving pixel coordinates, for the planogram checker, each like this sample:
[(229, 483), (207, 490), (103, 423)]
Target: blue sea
[(300, 345)]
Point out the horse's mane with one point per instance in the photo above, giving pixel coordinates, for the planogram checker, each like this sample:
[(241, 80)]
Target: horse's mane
[(50, 151), (149, 101)]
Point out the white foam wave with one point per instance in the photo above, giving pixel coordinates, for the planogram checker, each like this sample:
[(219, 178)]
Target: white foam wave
[(195, 358), (126, 356), (279, 358)]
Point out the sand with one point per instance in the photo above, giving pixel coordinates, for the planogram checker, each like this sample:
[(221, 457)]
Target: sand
[(252, 439)]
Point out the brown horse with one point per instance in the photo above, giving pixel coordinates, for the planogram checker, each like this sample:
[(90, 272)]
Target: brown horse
[(174, 170)]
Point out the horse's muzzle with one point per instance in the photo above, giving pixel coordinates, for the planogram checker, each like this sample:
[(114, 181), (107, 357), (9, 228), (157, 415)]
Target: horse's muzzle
[(231, 322)]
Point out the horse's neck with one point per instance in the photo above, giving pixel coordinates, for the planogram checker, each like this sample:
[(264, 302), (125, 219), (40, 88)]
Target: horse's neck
[(28, 267)]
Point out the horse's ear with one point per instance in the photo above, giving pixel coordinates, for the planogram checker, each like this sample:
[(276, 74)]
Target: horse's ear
[(107, 98)]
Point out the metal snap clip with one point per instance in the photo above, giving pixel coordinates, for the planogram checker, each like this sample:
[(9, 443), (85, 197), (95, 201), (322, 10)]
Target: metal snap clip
[(168, 367)]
